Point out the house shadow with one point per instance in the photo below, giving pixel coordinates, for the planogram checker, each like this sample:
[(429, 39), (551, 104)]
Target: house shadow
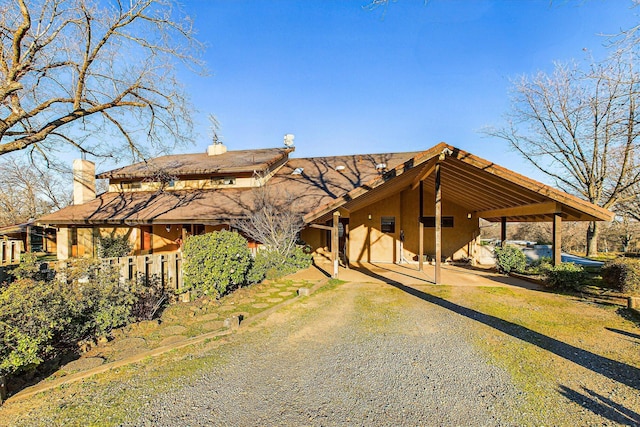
[(621, 372)]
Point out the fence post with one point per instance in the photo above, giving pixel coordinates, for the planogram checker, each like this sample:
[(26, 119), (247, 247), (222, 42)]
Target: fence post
[(3, 389)]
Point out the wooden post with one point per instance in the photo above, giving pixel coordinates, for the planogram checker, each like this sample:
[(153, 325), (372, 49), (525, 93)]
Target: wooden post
[(557, 239), (334, 244), (503, 231), (29, 247), (3, 389), (346, 245), (438, 219), (421, 230)]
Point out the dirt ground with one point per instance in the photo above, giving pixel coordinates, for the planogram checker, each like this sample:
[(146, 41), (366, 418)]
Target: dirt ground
[(565, 360)]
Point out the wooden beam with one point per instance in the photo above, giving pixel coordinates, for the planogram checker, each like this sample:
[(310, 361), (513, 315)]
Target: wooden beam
[(426, 171), (596, 212), (557, 239), (524, 210), (334, 243), (321, 227), (421, 229), (438, 231)]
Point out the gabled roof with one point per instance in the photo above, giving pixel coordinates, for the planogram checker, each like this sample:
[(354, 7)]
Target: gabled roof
[(485, 189), (325, 184), (239, 161)]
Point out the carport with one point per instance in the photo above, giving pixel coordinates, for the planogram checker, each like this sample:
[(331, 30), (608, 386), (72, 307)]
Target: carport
[(477, 187)]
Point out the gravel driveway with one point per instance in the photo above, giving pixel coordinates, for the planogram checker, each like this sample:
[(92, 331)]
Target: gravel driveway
[(357, 355)]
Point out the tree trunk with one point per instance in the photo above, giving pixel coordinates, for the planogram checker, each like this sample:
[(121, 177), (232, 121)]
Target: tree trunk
[(592, 239)]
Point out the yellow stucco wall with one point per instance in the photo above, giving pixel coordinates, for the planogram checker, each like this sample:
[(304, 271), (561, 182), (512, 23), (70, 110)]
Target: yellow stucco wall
[(165, 241), (63, 251), (367, 243), (315, 238)]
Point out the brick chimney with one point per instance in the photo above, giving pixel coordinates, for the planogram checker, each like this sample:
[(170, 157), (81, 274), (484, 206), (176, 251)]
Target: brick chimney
[(84, 181)]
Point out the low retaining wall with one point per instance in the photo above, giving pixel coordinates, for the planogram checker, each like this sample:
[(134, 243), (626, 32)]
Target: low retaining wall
[(633, 303)]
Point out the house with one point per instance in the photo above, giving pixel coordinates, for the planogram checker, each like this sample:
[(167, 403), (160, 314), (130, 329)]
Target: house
[(33, 238), (391, 207)]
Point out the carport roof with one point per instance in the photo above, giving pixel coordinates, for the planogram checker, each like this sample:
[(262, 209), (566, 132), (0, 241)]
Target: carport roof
[(484, 188)]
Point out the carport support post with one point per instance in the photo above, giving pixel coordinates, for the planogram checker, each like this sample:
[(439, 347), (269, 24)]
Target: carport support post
[(557, 239), (334, 243), (503, 231), (421, 231), (438, 219)]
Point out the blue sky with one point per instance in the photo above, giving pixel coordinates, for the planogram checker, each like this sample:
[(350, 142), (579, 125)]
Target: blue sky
[(347, 80)]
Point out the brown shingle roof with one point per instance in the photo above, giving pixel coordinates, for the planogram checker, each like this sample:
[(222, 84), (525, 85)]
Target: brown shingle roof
[(239, 161), (485, 189), (318, 184), (155, 207)]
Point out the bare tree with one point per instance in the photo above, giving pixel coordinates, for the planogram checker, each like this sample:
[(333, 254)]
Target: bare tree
[(27, 193), (539, 232), (70, 69), (272, 221), (579, 127)]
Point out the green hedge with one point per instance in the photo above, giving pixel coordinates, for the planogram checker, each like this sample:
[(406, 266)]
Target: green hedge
[(214, 263), (566, 275), (622, 274), (272, 265), (510, 259)]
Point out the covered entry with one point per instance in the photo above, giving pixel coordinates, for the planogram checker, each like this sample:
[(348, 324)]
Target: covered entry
[(428, 209)]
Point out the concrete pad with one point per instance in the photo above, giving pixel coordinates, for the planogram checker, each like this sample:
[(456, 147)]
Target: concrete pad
[(408, 274)]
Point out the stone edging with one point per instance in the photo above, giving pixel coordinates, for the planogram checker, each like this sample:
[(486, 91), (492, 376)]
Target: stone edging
[(233, 323)]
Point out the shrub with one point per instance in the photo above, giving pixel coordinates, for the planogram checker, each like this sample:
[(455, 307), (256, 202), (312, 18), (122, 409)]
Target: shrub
[(271, 265), (98, 302), (215, 262), (113, 246), (566, 275), (540, 266), (150, 295), (32, 313), (42, 318), (622, 274), (510, 259)]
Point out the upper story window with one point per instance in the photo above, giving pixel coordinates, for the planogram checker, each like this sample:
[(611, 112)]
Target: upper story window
[(130, 185), (223, 180)]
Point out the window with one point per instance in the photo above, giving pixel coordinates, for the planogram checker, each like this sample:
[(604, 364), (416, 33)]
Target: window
[(223, 181), (130, 185), (430, 221), (388, 224)]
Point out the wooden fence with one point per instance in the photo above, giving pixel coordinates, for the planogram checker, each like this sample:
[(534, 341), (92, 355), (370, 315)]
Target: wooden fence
[(10, 251), (164, 267)]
